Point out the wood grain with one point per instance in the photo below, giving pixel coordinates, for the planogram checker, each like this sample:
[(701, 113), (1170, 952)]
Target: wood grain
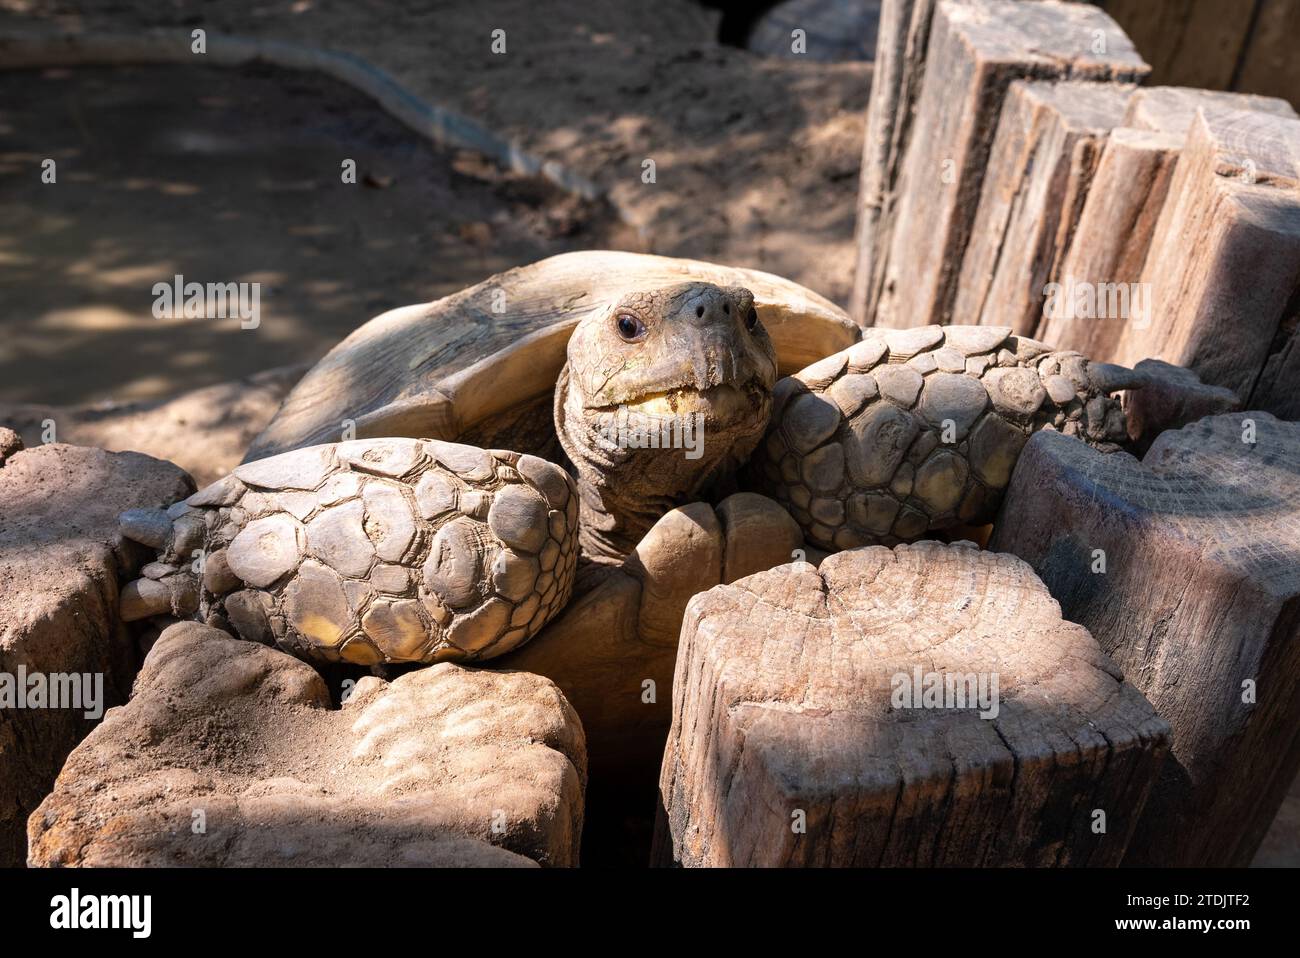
[(782, 705), (983, 46), (1124, 202), (1042, 163), (897, 72), (1192, 42), (1224, 265), (1200, 594)]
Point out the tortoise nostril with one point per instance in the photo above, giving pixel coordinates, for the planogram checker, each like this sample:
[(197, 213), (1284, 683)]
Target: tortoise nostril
[(699, 312), (726, 308)]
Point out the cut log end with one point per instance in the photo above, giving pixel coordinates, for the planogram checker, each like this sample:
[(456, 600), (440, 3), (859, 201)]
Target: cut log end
[(915, 706)]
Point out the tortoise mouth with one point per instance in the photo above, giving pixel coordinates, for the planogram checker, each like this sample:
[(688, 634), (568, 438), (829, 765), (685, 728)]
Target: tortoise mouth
[(722, 403)]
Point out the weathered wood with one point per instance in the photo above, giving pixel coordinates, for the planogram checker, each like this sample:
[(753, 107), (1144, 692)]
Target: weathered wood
[(1269, 63), (897, 72), (787, 712), (1171, 109), (1110, 246), (1110, 243), (1224, 266), (1193, 42), (1200, 595), (983, 45), (1043, 159), (1278, 386), (436, 370)]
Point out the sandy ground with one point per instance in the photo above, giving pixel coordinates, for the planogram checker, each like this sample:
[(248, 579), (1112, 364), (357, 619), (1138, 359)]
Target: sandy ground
[(756, 157), (233, 176)]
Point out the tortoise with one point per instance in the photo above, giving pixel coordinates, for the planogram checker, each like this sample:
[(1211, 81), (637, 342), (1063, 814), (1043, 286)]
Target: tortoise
[(446, 480)]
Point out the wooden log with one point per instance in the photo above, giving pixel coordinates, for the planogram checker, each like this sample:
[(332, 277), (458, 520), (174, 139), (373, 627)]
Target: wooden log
[(1200, 595), (1192, 42), (1224, 266), (1110, 245), (897, 72), (983, 45), (1044, 156), (792, 742)]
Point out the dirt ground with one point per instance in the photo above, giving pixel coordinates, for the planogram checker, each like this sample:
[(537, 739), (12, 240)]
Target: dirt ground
[(756, 158), (233, 176)]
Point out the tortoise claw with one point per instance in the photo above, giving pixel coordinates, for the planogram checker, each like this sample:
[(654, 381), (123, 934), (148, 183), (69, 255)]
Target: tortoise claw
[(169, 585)]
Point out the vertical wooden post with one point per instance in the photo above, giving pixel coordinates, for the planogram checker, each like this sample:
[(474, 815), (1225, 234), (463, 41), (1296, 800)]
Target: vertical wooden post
[(895, 83), (1224, 266), (1124, 202), (1044, 157), (1185, 566), (983, 46)]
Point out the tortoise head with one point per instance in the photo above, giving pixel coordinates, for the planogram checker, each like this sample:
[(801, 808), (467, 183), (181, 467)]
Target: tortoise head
[(690, 348), (663, 395)]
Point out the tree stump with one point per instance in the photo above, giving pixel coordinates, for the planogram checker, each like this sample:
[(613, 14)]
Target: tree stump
[(981, 46), (792, 743), (1185, 568)]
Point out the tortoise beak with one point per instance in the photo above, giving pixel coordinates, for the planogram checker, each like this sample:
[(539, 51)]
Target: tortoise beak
[(721, 403)]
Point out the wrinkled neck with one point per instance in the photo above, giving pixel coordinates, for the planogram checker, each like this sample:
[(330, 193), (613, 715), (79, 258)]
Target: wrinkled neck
[(631, 472)]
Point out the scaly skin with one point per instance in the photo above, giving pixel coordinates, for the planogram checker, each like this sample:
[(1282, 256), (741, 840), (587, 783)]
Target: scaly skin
[(701, 351), (916, 430), (369, 551)]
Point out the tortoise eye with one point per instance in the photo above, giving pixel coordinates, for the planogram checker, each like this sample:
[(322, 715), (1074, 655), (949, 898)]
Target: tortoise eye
[(629, 327), (752, 319)]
